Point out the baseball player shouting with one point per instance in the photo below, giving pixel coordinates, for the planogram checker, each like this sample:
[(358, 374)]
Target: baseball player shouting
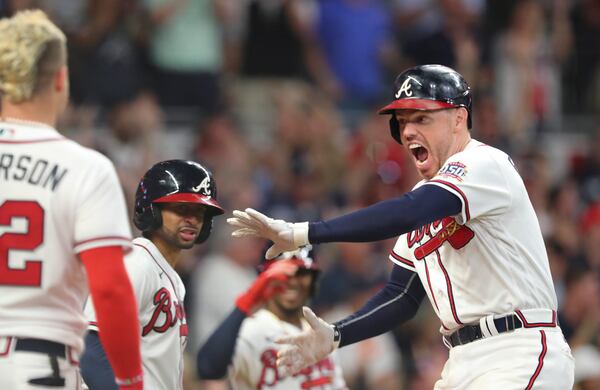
[(282, 288), (469, 240), (63, 225), (175, 203)]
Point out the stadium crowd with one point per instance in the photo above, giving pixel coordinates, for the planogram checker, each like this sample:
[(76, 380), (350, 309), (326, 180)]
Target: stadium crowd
[(279, 99)]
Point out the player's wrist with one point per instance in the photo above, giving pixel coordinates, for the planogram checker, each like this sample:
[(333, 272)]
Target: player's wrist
[(337, 336), (300, 234), (132, 383)]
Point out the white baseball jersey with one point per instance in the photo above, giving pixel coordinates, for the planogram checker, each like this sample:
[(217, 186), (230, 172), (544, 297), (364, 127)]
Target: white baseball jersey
[(57, 199), (489, 259), (159, 294), (254, 362)]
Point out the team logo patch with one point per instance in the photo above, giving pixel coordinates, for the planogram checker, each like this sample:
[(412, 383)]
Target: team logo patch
[(406, 87), (456, 170), (203, 187)]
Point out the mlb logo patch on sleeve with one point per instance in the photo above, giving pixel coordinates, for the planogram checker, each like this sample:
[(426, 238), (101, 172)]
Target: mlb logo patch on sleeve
[(455, 169)]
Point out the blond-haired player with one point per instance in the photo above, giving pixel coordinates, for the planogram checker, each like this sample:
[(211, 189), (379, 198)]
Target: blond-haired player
[(63, 225)]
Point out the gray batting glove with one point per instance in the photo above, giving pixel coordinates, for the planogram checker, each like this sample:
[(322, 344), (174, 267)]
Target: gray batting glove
[(306, 348), (286, 236)]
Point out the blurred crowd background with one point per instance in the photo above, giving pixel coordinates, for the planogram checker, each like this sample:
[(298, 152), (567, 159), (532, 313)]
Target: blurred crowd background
[(279, 98)]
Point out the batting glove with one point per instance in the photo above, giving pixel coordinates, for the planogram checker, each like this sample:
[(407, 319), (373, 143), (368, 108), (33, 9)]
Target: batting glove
[(266, 285), (286, 236), (308, 347)]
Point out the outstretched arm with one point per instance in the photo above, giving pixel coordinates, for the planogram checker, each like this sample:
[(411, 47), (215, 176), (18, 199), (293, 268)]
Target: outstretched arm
[(389, 218), (380, 221), (394, 304), (217, 353)]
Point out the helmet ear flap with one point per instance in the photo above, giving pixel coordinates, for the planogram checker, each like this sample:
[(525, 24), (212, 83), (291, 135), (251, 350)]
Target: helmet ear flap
[(149, 219), (206, 229), (395, 129)]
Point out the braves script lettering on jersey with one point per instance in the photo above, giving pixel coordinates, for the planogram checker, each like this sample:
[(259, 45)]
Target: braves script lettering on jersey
[(159, 292), (473, 264), (254, 362), (54, 198)]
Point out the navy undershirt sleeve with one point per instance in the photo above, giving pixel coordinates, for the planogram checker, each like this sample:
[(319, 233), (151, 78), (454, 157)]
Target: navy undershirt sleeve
[(95, 368), (389, 218), (216, 354), (397, 302)]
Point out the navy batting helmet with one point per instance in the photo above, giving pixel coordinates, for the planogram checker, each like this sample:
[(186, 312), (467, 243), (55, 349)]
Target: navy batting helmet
[(428, 87), (175, 181)]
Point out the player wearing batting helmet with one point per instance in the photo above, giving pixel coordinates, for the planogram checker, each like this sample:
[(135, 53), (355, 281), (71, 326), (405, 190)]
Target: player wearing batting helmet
[(63, 225), (469, 240), (271, 308), (175, 203)]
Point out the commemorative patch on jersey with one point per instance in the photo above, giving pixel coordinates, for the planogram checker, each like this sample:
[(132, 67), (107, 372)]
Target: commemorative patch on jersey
[(7, 132), (455, 170)]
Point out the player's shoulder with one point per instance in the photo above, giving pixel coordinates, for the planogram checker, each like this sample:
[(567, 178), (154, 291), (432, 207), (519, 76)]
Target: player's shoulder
[(258, 325), (478, 153), (91, 157), (142, 255)]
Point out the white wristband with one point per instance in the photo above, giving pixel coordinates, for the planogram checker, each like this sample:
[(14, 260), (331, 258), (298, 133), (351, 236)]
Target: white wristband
[(300, 231)]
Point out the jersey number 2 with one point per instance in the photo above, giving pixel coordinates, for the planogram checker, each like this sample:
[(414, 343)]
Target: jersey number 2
[(33, 213)]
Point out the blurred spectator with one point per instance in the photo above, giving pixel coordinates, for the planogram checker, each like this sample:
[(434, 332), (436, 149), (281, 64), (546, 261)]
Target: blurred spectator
[(585, 169), (564, 209), (283, 84), (234, 266), (309, 163), (357, 40), (356, 269), (582, 75), (527, 79), (587, 368), (590, 231), (376, 169), (134, 140), (186, 52), (440, 32), (217, 280), (275, 48), (579, 316), (104, 56)]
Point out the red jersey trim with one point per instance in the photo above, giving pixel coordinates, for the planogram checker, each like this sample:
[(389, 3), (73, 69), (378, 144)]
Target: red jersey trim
[(101, 239), (540, 362), (7, 350), (449, 287), (430, 288), (526, 324), (37, 141), (459, 191), (402, 259)]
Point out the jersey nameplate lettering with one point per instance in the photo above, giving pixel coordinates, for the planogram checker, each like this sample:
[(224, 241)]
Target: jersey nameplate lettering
[(31, 170)]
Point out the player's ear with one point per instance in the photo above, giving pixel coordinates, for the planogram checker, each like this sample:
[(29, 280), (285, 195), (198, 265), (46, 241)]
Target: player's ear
[(61, 79), (461, 117)]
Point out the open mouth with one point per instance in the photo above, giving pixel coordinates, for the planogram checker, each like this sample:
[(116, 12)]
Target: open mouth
[(419, 152), (188, 234)]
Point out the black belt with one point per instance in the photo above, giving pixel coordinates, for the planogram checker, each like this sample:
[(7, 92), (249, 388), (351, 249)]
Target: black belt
[(469, 333), (43, 346)]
